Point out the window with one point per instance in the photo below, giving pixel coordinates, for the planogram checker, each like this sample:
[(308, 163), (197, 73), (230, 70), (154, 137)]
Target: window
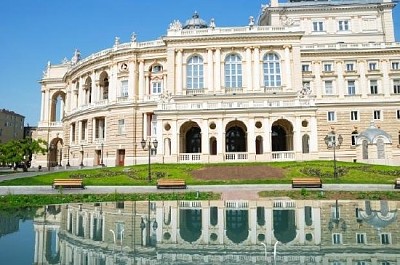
[(385, 238), (398, 114), (100, 128), (328, 67), (124, 89), (84, 129), (377, 114), (335, 212), (318, 26), (361, 238), (156, 68), (336, 238), (121, 126), (372, 66), (233, 71), (351, 87), (354, 136), (373, 86), (328, 87), (396, 86), (344, 25), (350, 67), (354, 115), (331, 116), (119, 231), (272, 70), (73, 128), (194, 73), (395, 65), (156, 88), (305, 68)]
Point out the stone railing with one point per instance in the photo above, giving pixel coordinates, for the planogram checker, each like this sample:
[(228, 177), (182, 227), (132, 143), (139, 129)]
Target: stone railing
[(340, 46)]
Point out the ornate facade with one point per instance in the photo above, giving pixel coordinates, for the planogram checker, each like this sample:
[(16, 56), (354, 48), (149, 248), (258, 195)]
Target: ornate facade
[(271, 90)]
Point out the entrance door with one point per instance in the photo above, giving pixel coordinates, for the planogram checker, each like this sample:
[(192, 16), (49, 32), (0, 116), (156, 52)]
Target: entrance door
[(98, 157), (121, 157)]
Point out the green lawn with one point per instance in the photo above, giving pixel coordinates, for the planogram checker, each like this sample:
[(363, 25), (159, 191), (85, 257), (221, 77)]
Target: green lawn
[(137, 175)]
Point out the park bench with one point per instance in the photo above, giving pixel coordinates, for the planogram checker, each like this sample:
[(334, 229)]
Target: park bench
[(397, 183), (306, 183), (68, 183), (171, 184)]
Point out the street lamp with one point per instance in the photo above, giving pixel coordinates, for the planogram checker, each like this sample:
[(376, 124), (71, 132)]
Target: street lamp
[(332, 142), (50, 149), (149, 145), (68, 148), (101, 161), (82, 153)]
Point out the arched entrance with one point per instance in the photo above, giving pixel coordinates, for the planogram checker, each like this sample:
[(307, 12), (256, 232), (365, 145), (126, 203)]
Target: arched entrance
[(190, 138), (236, 137), (55, 152), (282, 136)]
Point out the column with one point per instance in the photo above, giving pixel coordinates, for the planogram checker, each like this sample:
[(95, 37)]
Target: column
[(385, 79), (132, 79), (253, 222), (300, 224), (220, 137), (62, 109), (363, 84), (147, 93), (217, 75), (43, 107), (145, 126), (204, 138), (47, 107), (179, 70), (287, 66), (210, 70), (313, 135), (318, 82), (141, 79), (248, 70), (256, 68), (205, 221), (174, 138), (95, 86), (267, 136), (297, 136), (340, 83), (251, 138)]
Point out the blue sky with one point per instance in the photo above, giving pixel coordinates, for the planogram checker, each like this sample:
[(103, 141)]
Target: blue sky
[(33, 32)]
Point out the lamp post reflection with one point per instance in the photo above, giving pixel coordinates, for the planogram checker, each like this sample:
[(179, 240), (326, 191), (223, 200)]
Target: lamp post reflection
[(148, 227), (265, 252)]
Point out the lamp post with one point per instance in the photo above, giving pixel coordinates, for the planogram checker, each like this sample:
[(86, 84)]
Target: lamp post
[(50, 149), (101, 160), (149, 145), (82, 153), (68, 148), (332, 142)]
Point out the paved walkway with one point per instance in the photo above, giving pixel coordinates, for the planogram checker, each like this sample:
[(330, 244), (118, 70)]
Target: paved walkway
[(244, 191)]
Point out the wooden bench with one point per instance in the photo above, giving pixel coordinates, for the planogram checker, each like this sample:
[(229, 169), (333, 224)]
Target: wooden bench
[(397, 183), (68, 183), (306, 183), (171, 184)]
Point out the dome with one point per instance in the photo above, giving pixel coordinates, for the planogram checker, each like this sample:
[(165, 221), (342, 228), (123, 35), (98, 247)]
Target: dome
[(372, 133), (195, 22)]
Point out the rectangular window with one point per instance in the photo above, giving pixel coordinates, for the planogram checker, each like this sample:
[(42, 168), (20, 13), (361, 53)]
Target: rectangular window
[(331, 116), (328, 87), (354, 115), (396, 86), (119, 232), (318, 26), (124, 88), (305, 68), (360, 238), (100, 128), (373, 86), (351, 87), (336, 238), (372, 66), (335, 212), (395, 65), (328, 67), (121, 126), (398, 114), (156, 87), (377, 114), (385, 238), (344, 25), (73, 128), (84, 129), (349, 67)]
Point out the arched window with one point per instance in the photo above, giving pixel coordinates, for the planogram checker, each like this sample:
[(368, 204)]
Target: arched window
[(272, 70), (354, 136), (194, 73), (233, 71), (306, 144)]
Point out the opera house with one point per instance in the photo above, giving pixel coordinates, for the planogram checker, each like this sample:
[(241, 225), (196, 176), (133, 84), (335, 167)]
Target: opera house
[(301, 79)]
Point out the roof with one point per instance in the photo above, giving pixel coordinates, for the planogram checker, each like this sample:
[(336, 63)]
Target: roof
[(195, 22)]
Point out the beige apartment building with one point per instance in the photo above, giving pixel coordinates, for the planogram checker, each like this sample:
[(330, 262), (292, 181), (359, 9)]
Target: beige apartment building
[(304, 80), (11, 126)]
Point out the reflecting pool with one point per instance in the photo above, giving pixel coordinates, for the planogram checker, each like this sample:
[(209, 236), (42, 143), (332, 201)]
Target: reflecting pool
[(276, 231)]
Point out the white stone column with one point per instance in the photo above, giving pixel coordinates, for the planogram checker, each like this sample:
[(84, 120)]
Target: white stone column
[(318, 82), (297, 136), (47, 107), (267, 136), (221, 225), (145, 126), (316, 218), (205, 220), (253, 222), (300, 224), (165, 83), (220, 137), (43, 107), (340, 82), (288, 67), (132, 79), (147, 92), (217, 75), (313, 135), (248, 70), (256, 68), (363, 83), (174, 138), (251, 138), (179, 72), (269, 224), (210, 71), (141, 79), (385, 80), (159, 136), (205, 150)]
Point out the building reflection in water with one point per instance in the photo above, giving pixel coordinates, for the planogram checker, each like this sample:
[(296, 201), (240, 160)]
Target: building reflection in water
[(217, 232)]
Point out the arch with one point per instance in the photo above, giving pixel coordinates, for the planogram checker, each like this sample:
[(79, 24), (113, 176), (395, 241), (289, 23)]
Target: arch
[(104, 85), (190, 224), (282, 135), (306, 144), (233, 71), (55, 152), (88, 90), (194, 72), (213, 146), (57, 105), (284, 225), (271, 70), (259, 145), (190, 134), (237, 225), (236, 137)]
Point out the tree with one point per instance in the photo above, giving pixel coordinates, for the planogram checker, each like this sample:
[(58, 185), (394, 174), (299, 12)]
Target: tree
[(19, 152)]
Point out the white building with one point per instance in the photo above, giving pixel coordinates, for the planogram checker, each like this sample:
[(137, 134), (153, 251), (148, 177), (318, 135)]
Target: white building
[(271, 90)]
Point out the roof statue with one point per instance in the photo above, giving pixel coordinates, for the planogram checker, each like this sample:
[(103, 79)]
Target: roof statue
[(175, 25), (212, 23), (76, 58), (251, 21), (116, 41), (133, 37)]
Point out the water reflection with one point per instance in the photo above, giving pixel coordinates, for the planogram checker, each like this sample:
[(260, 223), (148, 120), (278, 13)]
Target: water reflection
[(217, 232)]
